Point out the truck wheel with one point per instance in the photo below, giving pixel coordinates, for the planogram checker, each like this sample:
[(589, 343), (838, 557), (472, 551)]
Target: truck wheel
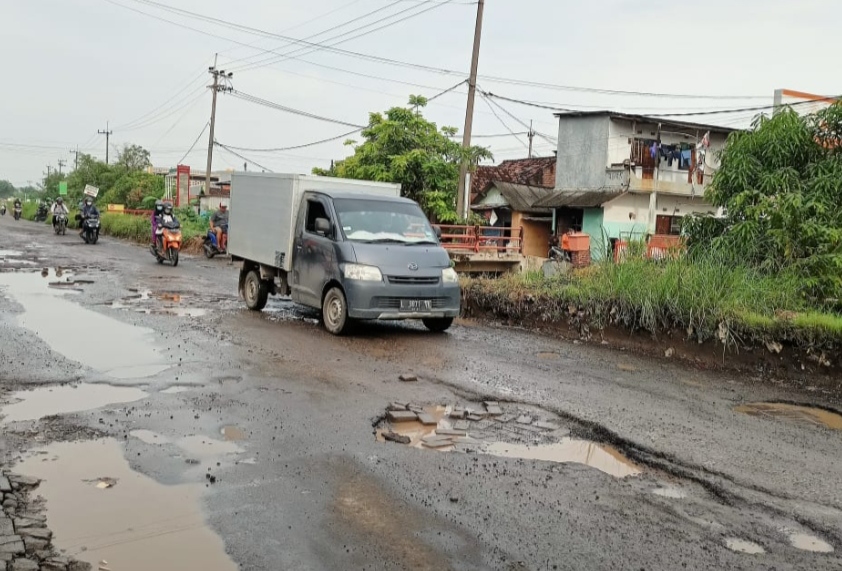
[(255, 291), (438, 324), (335, 312)]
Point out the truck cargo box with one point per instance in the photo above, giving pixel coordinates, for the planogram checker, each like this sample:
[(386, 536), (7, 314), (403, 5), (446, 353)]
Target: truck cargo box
[(264, 206)]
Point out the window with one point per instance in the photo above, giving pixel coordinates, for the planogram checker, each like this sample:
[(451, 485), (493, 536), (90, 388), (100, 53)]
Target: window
[(669, 225), (315, 210), (383, 221)]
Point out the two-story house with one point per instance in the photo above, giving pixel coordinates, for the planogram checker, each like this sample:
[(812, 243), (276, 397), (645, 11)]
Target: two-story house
[(622, 176)]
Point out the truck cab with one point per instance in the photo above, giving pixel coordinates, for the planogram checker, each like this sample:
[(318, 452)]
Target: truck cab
[(354, 255)]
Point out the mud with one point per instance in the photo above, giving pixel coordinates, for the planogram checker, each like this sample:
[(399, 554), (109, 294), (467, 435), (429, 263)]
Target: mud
[(204, 448), (232, 433), (603, 458), (112, 347), (47, 401), (136, 525), (800, 414), (807, 542), (743, 546)]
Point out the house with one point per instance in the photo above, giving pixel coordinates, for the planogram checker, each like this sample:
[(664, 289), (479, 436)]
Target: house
[(210, 201), (505, 194), (621, 176)]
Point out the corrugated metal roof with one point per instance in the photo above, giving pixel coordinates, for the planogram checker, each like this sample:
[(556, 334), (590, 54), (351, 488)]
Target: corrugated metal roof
[(580, 198), (521, 197), (649, 119)]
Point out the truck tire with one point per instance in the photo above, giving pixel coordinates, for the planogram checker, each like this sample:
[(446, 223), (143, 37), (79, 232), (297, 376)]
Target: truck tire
[(335, 312), (438, 324), (255, 291)]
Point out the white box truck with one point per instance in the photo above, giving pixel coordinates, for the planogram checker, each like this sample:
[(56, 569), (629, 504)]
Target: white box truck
[(353, 249)]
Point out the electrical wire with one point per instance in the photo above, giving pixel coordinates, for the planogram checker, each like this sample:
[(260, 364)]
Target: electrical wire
[(284, 108), (490, 102), (218, 144), (190, 150), (169, 113), (487, 102), (399, 63), (192, 83)]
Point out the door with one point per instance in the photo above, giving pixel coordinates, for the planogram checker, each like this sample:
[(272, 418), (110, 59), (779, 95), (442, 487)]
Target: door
[(663, 224), (314, 254)]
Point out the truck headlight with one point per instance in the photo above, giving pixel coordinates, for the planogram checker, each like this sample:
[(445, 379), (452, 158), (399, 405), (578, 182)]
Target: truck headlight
[(362, 273), (449, 276)]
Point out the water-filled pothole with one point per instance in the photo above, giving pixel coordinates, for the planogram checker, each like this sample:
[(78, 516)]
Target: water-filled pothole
[(743, 546), (232, 433), (149, 437), (112, 347), (807, 542), (488, 429), (800, 414), (203, 448), (137, 525), (47, 401)]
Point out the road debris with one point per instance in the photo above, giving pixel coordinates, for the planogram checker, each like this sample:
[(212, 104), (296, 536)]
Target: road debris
[(408, 378)]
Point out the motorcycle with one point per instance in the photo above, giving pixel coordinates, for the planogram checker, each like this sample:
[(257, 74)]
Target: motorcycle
[(168, 243), (17, 212), (2, 210), (211, 246), (60, 225), (90, 229), (41, 214), (556, 253)]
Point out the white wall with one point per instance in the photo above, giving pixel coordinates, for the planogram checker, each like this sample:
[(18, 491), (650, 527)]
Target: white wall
[(683, 205), (618, 210)]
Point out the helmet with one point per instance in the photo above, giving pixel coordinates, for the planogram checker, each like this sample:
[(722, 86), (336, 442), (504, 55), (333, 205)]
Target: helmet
[(59, 200), (88, 201), (159, 205), (168, 209)]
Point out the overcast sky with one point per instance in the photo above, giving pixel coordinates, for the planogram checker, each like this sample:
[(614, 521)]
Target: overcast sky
[(71, 65)]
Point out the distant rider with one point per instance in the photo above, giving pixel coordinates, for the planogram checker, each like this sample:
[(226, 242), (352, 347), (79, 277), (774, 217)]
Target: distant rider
[(166, 217), (57, 208), (17, 203), (159, 210), (219, 226), (88, 211)]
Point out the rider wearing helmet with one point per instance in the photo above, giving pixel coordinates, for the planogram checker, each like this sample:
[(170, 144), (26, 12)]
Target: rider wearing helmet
[(57, 208), (159, 209), (88, 210), (166, 216)]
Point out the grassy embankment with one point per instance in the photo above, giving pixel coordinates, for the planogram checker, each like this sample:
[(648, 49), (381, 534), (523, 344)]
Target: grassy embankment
[(705, 298)]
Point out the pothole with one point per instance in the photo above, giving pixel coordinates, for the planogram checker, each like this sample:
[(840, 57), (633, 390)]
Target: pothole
[(670, 492), (135, 526), (743, 546), (47, 401), (488, 429), (112, 347), (175, 390), (203, 448), (10, 253), (149, 437), (232, 433), (807, 542), (799, 414), (164, 303), (547, 355)]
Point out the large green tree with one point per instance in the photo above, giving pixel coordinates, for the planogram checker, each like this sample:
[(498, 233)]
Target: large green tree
[(780, 184), (401, 146), (133, 158), (7, 189)]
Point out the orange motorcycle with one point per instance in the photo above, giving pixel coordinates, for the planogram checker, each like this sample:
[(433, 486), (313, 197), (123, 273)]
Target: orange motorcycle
[(168, 243)]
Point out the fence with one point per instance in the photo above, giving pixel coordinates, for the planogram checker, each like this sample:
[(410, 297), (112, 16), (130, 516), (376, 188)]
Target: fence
[(658, 247), (478, 239)]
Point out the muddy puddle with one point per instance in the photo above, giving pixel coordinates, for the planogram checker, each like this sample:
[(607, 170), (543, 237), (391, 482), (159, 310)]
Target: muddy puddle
[(46, 401), (232, 433), (798, 414), (743, 546), (94, 340), (10, 253), (807, 542), (135, 524), (670, 492), (603, 458), (175, 390), (149, 437), (480, 428)]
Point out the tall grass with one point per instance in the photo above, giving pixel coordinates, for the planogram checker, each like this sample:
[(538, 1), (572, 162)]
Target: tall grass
[(702, 296)]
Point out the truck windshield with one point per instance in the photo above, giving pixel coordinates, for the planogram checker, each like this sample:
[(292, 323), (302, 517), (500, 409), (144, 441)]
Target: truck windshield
[(374, 221)]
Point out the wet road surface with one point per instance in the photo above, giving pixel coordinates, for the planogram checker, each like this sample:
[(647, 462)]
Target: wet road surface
[(165, 418)]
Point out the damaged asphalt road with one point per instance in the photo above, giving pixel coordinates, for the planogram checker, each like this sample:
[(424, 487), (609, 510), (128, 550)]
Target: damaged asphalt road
[(172, 429)]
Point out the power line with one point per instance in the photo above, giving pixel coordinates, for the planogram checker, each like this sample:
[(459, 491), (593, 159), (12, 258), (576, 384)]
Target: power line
[(284, 108), (487, 102), (218, 144), (490, 102), (190, 150), (399, 63)]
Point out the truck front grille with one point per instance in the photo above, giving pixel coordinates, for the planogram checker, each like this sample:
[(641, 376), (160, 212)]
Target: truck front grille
[(395, 302), (413, 280)]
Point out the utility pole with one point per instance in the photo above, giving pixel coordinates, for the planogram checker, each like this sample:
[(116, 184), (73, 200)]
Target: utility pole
[(216, 87), (531, 136), (107, 134), (61, 163), (463, 191), (76, 160)]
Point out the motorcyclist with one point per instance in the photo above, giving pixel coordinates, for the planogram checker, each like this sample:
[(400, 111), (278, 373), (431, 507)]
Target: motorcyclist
[(219, 226), (57, 208), (88, 210), (17, 204), (166, 217), (159, 210)]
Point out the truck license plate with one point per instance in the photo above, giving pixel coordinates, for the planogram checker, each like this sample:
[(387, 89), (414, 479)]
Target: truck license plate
[(416, 305)]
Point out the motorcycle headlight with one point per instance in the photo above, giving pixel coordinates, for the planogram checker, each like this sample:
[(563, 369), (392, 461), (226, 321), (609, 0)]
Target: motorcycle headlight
[(449, 276), (362, 273)]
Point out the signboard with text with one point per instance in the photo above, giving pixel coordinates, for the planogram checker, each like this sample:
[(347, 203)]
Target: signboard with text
[(91, 190), (62, 188)]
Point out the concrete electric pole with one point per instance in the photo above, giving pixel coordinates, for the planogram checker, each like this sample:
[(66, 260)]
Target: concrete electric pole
[(464, 190), (531, 136), (216, 87), (76, 159), (107, 134), (61, 163)]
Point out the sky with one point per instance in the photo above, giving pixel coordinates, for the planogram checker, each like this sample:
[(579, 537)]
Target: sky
[(140, 67)]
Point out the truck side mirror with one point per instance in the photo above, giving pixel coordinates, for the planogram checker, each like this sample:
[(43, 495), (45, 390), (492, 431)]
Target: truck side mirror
[(437, 230), (322, 226)]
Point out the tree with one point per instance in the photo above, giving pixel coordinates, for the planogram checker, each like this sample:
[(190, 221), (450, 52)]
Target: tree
[(7, 189), (133, 158), (780, 184), (403, 147)]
